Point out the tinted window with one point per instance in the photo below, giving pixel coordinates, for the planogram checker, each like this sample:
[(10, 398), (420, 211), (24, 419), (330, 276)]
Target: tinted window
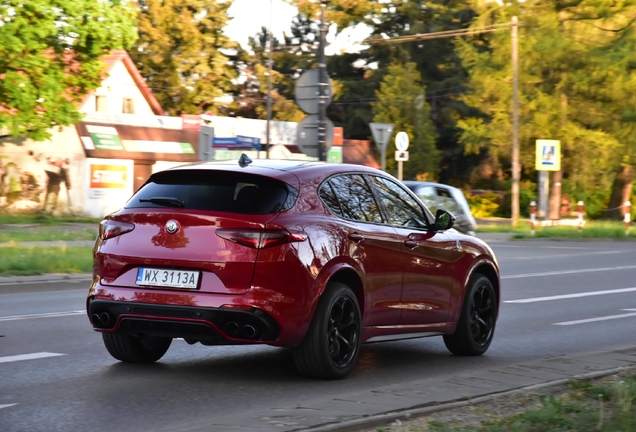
[(329, 198), (401, 208), (354, 197), (215, 191)]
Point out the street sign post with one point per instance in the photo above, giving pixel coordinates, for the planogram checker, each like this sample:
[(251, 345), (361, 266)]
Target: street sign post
[(547, 158), (381, 134), (307, 135), (401, 155)]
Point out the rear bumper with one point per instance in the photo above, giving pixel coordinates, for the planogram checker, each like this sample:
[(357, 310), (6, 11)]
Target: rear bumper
[(211, 326)]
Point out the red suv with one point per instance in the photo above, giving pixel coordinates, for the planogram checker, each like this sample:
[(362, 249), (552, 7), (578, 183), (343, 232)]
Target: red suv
[(313, 256)]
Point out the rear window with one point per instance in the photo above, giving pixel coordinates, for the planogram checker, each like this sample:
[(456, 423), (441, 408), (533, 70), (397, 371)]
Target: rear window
[(215, 191)]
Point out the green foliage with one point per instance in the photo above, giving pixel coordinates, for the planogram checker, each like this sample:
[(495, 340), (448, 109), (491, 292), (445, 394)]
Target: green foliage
[(398, 104), (25, 261), (50, 58), (60, 234), (574, 80), (483, 205), (181, 53)]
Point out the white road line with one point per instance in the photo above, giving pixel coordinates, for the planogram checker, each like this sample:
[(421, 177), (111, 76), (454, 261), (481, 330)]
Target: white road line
[(42, 315), (575, 295), (563, 272), (7, 405), (32, 356), (589, 320), (572, 255)]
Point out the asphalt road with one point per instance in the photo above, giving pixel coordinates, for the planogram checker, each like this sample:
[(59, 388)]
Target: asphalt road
[(568, 308)]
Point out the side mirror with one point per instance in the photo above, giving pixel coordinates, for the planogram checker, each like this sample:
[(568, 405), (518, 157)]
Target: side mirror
[(443, 220)]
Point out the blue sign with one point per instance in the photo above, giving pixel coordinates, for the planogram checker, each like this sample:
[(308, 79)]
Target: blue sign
[(239, 141)]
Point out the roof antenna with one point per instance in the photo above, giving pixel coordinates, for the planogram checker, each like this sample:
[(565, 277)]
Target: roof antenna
[(244, 160)]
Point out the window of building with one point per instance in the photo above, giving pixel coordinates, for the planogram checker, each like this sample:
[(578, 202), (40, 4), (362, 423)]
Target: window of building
[(128, 106), (101, 104)]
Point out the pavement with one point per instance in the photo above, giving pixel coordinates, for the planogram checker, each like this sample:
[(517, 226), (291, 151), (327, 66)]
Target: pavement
[(365, 409)]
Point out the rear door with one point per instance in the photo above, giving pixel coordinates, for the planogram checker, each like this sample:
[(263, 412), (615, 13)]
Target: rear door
[(372, 244)]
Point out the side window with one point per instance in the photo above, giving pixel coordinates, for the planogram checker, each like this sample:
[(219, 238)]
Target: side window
[(355, 198), (402, 209), (328, 196)]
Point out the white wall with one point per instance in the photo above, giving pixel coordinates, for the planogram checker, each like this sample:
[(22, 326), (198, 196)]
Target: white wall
[(119, 85)]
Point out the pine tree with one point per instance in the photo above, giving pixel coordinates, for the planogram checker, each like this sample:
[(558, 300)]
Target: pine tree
[(183, 54), (400, 101)]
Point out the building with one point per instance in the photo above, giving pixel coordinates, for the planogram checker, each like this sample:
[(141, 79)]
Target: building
[(93, 167)]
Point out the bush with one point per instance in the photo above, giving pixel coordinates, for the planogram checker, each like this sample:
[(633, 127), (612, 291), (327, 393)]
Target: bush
[(483, 204)]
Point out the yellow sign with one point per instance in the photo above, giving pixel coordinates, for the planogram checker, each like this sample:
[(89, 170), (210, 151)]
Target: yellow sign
[(548, 155)]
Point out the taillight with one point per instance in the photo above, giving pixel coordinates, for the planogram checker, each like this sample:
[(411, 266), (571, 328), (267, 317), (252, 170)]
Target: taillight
[(110, 228), (260, 238)]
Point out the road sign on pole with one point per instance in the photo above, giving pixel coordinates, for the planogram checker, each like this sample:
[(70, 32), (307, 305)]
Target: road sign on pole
[(401, 141), (381, 134)]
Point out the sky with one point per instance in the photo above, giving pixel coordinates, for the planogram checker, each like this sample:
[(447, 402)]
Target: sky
[(248, 16)]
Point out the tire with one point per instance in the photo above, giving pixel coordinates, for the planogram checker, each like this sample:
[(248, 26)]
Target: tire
[(130, 349), (476, 325), (331, 346)]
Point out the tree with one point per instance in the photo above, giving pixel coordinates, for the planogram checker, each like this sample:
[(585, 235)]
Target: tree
[(50, 59), (400, 101), (566, 67), (183, 53)]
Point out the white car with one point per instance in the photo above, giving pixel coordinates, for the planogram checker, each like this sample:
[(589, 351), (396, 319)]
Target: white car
[(441, 196)]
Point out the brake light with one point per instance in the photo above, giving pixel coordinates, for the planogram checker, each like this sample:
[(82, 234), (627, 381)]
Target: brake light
[(110, 228), (260, 238)]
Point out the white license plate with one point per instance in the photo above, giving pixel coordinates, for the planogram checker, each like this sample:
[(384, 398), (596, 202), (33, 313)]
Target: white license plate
[(168, 278)]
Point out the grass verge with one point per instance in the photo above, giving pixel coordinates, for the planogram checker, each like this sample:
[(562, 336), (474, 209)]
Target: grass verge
[(43, 219), (48, 235), (29, 261), (605, 404), (592, 229)]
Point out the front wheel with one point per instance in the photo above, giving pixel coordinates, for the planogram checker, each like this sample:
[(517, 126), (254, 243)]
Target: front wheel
[(330, 348), (130, 349), (476, 325)]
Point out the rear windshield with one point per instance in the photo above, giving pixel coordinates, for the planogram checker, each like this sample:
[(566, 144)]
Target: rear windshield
[(216, 191)]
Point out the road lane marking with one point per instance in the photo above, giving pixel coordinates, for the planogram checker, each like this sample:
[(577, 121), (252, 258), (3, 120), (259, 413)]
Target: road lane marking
[(575, 295), (32, 356), (605, 318), (7, 405), (563, 272), (573, 255), (42, 315)]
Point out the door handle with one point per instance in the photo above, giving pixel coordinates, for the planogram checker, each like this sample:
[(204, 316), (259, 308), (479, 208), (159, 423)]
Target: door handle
[(411, 244), (355, 237)]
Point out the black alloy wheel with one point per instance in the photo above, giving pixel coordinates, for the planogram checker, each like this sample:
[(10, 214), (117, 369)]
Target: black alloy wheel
[(332, 343), (476, 325)]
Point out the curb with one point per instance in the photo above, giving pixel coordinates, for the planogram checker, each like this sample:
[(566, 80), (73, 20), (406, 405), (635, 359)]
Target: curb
[(385, 419)]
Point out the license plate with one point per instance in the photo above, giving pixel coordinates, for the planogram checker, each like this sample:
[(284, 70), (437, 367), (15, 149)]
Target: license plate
[(168, 278)]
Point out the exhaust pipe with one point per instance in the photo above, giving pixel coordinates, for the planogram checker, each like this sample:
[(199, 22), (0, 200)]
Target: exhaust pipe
[(231, 327), (104, 318), (96, 320), (248, 331)]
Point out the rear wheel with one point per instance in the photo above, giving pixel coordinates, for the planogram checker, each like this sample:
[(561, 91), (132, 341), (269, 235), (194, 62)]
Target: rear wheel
[(130, 349), (330, 348), (476, 325)]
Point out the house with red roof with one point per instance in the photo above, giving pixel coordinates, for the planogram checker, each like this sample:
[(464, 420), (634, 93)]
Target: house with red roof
[(93, 167)]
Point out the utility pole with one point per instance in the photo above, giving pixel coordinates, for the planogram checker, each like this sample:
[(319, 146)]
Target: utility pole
[(515, 122), (514, 26), (322, 86), (269, 81)]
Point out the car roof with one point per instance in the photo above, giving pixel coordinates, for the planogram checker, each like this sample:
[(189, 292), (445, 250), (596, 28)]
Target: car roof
[(281, 168)]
